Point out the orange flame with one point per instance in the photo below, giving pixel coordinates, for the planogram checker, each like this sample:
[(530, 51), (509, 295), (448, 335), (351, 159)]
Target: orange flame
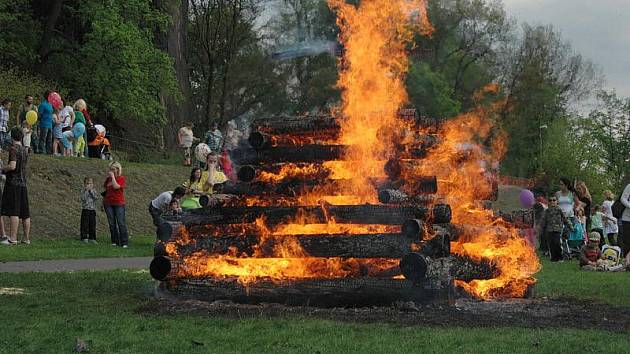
[(374, 36)]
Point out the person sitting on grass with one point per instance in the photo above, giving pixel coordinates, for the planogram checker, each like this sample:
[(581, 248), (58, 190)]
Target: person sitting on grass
[(552, 224), (590, 254)]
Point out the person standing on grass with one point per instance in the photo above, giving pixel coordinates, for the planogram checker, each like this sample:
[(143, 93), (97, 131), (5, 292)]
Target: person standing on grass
[(15, 195), (24, 108), (185, 138), (214, 138), (45, 116), (584, 196), (160, 205), (611, 229), (4, 122), (625, 220), (552, 224), (114, 204), (88, 211), (80, 142)]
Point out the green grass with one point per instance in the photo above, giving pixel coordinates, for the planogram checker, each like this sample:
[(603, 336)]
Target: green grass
[(46, 312), (566, 280), (65, 248)]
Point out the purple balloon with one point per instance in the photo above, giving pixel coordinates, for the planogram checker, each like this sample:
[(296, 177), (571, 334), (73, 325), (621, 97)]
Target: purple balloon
[(527, 198)]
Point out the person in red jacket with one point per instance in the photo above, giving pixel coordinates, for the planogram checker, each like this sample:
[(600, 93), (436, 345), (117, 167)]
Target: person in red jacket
[(114, 204)]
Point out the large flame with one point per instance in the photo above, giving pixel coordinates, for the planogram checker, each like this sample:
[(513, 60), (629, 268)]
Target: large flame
[(374, 36), (470, 146)]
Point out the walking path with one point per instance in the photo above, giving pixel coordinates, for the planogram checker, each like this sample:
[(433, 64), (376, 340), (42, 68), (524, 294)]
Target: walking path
[(70, 265)]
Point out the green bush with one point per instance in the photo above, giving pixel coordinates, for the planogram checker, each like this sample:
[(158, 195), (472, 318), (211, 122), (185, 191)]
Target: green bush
[(15, 85)]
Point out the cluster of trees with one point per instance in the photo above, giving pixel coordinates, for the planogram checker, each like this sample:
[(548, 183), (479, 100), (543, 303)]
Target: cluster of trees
[(162, 62)]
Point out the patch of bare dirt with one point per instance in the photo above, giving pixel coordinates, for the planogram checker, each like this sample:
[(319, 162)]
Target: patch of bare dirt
[(528, 313)]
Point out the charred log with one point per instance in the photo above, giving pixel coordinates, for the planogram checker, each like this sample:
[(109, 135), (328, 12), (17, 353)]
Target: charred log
[(261, 140), (391, 245), (279, 154), (360, 214), (419, 268), (296, 124), (312, 292), (290, 187)]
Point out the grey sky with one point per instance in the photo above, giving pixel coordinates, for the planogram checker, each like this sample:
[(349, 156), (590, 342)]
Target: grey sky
[(597, 29)]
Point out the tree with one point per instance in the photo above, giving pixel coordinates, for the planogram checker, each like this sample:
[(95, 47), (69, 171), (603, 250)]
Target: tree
[(541, 75), (609, 125)]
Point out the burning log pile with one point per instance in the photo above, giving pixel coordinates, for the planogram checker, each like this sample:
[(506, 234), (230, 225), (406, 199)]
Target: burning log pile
[(367, 206), (364, 254)]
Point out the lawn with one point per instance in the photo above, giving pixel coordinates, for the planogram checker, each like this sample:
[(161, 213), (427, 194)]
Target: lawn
[(65, 248), (566, 280), (108, 310)]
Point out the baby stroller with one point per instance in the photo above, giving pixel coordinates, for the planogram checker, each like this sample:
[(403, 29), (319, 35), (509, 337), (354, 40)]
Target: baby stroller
[(99, 146)]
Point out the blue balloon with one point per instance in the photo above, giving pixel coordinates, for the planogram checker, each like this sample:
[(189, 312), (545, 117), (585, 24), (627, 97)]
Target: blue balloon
[(78, 130)]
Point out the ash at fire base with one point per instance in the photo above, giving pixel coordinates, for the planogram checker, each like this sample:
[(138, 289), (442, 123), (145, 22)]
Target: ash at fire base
[(369, 205)]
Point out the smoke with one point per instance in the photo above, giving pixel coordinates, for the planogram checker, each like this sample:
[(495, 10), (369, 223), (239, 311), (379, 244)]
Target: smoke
[(306, 49)]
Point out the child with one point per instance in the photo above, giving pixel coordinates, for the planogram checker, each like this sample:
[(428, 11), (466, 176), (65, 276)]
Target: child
[(552, 224), (88, 211), (597, 222), (590, 254), (26, 140), (57, 133)]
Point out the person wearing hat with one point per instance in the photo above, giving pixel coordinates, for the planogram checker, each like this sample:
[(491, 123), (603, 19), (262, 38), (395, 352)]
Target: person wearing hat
[(590, 254)]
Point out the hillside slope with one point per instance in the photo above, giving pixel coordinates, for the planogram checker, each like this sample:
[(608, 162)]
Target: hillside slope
[(54, 184)]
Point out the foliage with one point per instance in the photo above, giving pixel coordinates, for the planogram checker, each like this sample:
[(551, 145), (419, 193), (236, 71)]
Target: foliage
[(17, 84), (101, 51), (120, 64), (610, 128), (430, 93), (542, 74)]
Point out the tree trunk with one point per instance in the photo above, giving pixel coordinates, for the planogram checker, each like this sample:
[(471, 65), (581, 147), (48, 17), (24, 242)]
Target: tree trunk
[(47, 35), (174, 42)]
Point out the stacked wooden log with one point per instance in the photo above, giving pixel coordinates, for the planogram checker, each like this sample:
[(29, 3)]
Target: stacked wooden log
[(417, 223)]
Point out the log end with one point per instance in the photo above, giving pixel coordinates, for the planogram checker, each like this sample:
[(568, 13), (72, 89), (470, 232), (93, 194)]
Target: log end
[(246, 173), (442, 214), (414, 267), (427, 185), (413, 229), (257, 140), (160, 267)]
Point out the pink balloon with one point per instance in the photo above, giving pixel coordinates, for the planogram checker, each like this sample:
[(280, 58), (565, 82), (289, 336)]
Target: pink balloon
[(527, 198), (55, 100)]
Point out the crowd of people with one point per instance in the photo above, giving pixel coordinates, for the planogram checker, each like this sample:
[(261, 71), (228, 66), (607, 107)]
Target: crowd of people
[(55, 127), (569, 223)]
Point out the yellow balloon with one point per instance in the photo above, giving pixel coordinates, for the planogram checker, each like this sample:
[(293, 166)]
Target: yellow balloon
[(31, 117)]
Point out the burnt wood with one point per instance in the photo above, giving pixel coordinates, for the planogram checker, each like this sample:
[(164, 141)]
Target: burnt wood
[(359, 214), (296, 124), (420, 268), (279, 154), (311, 292), (387, 245)]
